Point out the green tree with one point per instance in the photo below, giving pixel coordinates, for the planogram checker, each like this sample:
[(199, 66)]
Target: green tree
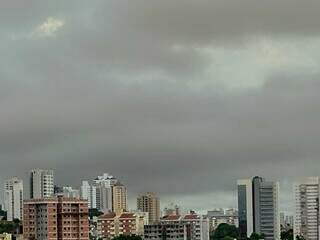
[(225, 230), (299, 237), (93, 212), (3, 215), (287, 235), (256, 236), (9, 227), (130, 237), (228, 238)]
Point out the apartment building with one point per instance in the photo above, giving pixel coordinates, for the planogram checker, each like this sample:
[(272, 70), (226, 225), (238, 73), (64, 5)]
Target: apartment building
[(127, 223), (306, 219), (41, 183), (150, 203), (119, 198), (13, 198), (179, 227), (56, 218)]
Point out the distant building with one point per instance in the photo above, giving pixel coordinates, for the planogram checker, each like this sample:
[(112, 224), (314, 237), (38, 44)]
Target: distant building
[(104, 197), (57, 190), (56, 218), (13, 198), (150, 203), (172, 210), (190, 226), (306, 221), (216, 212), (70, 192), (119, 198), (105, 193), (289, 221), (258, 203), (282, 220), (89, 193), (104, 185), (111, 225), (41, 183), (286, 222), (106, 179), (219, 216), (173, 231)]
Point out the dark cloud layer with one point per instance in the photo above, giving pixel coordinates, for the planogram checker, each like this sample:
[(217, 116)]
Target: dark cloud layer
[(129, 87)]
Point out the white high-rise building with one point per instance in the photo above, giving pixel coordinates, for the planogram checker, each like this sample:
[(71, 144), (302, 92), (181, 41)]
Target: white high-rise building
[(306, 219), (13, 198), (88, 192), (70, 192), (104, 197), (258, 204), (104, 192), (41, 183), (106, 179)]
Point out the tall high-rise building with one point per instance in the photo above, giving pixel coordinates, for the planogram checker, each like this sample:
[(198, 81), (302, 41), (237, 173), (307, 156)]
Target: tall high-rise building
[(119, 198), (56, 218), (104, 197), (258, 203), (13, 199), (88, 192), (150, 203), (245, 207), (104, 184), (41, 183), (306, 220)]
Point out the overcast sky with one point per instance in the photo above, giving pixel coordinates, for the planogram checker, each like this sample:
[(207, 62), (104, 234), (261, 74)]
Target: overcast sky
[(177, 97)]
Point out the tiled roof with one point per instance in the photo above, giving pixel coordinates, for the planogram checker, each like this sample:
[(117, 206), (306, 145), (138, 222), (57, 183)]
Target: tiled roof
[(107, 216), (127, 215), (171, 217), (191, 217)]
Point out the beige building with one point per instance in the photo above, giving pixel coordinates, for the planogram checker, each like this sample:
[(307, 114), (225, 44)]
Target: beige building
[(119, 198), (56, 218), (111, 225), (150, 203)]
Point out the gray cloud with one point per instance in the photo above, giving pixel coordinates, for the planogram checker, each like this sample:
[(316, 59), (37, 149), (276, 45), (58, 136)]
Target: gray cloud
[(141, 89)]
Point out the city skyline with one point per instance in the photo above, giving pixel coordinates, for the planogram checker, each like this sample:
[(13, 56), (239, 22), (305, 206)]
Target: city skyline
[(182, 99), (131, 202)]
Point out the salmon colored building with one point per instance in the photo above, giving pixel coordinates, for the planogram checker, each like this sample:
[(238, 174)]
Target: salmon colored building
[(56, 218)]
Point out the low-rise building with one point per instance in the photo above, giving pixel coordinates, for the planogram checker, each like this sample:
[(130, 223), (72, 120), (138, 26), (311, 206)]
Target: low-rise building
[(199, 224), (106, 226), (191, 226), (111, 225), (172, 231)]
